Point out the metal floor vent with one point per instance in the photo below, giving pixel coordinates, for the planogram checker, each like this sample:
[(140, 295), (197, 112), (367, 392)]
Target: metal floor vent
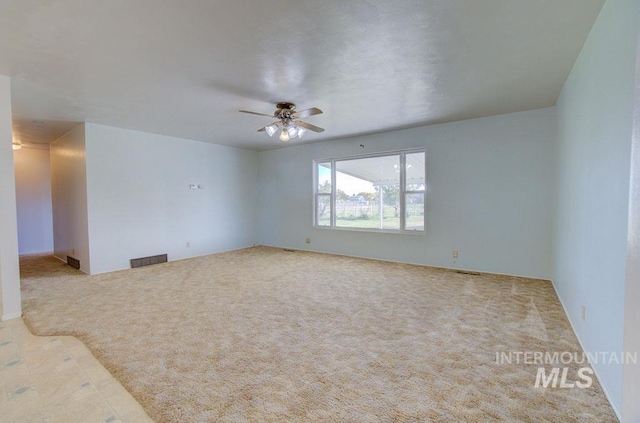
[(147, 261), (73, 262)]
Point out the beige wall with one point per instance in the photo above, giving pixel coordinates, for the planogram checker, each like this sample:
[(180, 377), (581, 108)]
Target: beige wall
[(631, 374), (9, 267), (69, 197), (33, 197)]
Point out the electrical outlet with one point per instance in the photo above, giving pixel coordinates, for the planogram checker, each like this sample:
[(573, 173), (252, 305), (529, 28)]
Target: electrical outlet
[(308, 240), (455, 254), (584, 313), (188, 244)]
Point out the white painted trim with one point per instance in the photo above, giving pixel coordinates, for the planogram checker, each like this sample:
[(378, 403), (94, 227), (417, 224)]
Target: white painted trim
[(65, 262), (373, 230), (452, 269), (595, 371), (60, 258), (37, 253), (11, 316), (171, 261)]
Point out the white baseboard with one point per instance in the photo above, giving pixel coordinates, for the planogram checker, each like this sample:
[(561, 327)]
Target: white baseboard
[(11, 316), (36, 254), (595, 371), (60, 258), (433, 266)]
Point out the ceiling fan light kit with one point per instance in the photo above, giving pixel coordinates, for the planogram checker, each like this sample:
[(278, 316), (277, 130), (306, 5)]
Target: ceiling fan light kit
[(271, 129), (287, 119)]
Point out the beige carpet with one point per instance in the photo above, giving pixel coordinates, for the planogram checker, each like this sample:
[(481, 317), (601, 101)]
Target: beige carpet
[(264, 334)]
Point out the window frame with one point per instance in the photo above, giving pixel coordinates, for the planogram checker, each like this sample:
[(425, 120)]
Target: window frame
[(401, 197)]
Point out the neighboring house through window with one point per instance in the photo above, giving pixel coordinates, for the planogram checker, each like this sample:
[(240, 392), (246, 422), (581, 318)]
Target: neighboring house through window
[(377, 192)]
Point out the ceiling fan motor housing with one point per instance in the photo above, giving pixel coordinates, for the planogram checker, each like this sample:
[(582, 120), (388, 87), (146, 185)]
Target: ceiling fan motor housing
[(286, 106), (284, 110), (288, 119)]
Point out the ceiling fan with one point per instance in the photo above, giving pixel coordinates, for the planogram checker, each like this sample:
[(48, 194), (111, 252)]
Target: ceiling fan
[(287, 120)]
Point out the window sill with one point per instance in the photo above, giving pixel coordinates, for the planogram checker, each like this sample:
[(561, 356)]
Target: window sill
[(370, 230)]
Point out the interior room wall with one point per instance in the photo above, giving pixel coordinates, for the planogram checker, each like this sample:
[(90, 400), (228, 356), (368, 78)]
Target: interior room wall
[(69, 197), (141, 204), (9, 267), (595, 113), (33, 196), (631, 372), (489, 195)]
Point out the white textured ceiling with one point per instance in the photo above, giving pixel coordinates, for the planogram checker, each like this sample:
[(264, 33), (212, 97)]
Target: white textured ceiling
[(185, 67)]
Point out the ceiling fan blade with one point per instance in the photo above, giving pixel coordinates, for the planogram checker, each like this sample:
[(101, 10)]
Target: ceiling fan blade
[(307, 112), (264, 128), (308, 126), (254, 113)]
